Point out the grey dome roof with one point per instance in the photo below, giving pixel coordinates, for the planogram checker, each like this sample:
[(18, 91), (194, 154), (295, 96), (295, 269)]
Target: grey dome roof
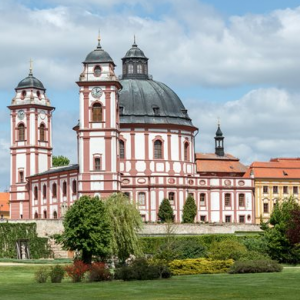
[(30, 82), (98, 56), (135, 52), (150, 102)]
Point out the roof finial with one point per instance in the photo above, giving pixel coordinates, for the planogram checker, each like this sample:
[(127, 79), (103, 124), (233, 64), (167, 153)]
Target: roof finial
[(30, 66), (99, 39), (134, 43), (218, 121)]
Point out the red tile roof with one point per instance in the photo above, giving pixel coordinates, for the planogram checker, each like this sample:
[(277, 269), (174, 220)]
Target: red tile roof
[(283, 168), (4, 200), (212, 163)]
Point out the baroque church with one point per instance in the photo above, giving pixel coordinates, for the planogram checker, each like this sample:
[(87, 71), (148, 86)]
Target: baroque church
[(134, 136)]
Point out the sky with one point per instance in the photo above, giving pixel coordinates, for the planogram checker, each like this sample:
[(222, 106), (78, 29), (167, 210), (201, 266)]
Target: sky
[(236, 60)]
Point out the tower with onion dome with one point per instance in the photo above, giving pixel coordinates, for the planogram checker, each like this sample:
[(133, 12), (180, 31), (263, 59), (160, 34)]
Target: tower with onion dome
[(31, 141)]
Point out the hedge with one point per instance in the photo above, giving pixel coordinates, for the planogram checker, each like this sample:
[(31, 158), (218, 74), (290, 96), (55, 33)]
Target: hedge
[(199, 266), (11, 232), (255, 266), (150, 245)]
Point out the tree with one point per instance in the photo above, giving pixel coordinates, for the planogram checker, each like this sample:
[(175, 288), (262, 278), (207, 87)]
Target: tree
[(165, 212), (125, 222), (189, 210), (60, 160), (87, 229)]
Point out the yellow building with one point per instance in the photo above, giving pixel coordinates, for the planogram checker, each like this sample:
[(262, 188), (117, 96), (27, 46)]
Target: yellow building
[(275, 180)]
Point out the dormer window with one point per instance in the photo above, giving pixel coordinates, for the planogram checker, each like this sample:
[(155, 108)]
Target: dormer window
[(139, 69), (130, 69), (156, 110), (97, 71)]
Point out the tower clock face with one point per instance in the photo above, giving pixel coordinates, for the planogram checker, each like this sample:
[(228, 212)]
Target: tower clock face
[(42, 114), (21, 114), (97, 92)]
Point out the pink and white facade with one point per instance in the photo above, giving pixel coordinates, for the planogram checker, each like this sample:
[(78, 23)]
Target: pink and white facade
[(134, 136)]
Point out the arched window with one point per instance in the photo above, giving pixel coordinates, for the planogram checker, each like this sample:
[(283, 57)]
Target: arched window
[(97, 163), (44, 191), (74, 186), (21, 130), (45, 214), (157, 149), (241, 200), (202, 199), (171, 197), (186, 151), (139, 69), (227, 200), (97, 71), (97, 112), (54, 190), (54, 215), (36, 215), (130, 69), (35, 193), (64, 189), (42, 133), (122, 149)]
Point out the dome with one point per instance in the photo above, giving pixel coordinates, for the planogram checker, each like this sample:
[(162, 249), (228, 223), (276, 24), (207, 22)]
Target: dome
[(135, 52), (30, 82), (98, 56), (150, 102), (219, 132)]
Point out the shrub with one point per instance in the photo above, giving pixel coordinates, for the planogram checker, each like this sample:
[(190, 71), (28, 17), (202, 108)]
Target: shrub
[(140, 269), (57, 274), (227, 249), (199, 266), (165, 212), (189, 210), (162, 267), (255, 255), (99, 272), (190, 249), (255, 266), (41, 275), (77, 270)]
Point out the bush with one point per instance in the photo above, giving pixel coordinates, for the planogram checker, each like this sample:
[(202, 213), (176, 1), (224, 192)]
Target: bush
[(189, 210), (140, 269), (57, 274), (227, 249), (255, 266), (199, 266), (255, 255), (41, 275), (162, 267), (190, 249), (99, 272), (165, 212), (77, 270)]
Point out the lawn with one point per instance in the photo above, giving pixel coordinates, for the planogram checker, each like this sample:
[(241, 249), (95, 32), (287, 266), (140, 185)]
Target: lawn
[(16, 282)]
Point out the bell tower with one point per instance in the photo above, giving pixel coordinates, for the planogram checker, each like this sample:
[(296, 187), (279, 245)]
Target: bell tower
[(31, 141), (98, 128), (219, 142)]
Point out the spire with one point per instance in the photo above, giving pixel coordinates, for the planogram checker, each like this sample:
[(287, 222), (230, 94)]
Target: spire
[(219, 141), (99, 39), (134, 42), (30, 67)]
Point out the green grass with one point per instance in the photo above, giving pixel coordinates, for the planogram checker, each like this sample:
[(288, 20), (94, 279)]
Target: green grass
[(16, 282)]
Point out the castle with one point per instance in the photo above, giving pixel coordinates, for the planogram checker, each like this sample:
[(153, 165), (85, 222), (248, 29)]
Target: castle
[(134, 136)]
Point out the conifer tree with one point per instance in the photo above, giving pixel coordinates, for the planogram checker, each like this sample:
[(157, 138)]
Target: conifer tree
[(189, 210), (165, 212)]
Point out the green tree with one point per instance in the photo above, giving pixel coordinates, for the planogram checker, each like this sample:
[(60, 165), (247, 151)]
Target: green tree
[(60, 160), (165, 212), (87, 229), (126, 222), (189, 210)]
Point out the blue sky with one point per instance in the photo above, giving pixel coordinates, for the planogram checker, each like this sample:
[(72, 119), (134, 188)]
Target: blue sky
[(237, 60)]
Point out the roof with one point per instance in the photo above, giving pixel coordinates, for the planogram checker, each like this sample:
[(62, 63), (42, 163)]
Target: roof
[(55, 170), (134, 52), (212, 163), (4, 200), (98, 56), (283, 168), (150, 102), (30, 82)]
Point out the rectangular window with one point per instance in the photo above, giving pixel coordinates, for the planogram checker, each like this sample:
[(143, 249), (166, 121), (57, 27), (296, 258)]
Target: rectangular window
[(242, 200), (275, 189), (241, 219), (21, 176), (227, 219), (266, 208), (295, 190), (227, 200), (285, 190), (202, 199), (141, 198), (171, 197), (265, 189), (127, 195), (97, 163), (203, 218)]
